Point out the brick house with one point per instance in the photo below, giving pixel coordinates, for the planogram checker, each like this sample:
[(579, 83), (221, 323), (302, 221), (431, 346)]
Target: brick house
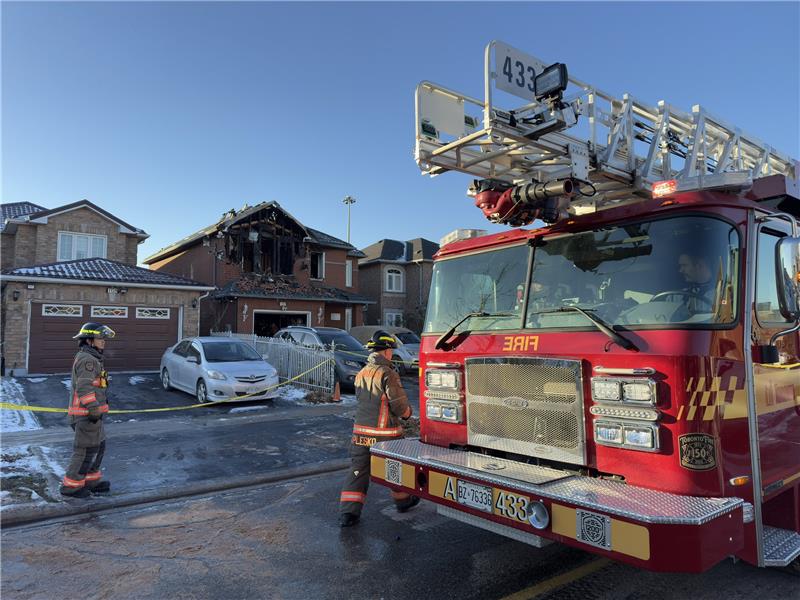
[(65, 266), (269, 271), (397, 276)]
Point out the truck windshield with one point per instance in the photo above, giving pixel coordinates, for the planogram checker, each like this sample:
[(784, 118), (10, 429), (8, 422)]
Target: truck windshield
[(675, 272), (681, 270), (490, 282)]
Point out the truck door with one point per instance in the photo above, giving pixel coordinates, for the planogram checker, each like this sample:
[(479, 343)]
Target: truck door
[(777, 386)]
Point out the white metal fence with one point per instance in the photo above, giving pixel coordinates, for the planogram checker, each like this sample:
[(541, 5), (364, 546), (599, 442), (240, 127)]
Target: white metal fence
[(315, 365)]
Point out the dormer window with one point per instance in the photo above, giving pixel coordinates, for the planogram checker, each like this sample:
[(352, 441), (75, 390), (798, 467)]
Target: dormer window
[(73, 246)]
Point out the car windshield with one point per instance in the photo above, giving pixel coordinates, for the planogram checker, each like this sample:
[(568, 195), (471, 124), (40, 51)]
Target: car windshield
[(229, 352), (675, 271), (407, 337), (342, 340)]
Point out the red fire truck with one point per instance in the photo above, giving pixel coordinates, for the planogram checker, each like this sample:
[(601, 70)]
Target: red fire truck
[(624, 379)]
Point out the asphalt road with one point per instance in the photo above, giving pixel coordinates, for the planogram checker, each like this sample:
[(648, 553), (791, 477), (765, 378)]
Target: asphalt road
[(282, 541)]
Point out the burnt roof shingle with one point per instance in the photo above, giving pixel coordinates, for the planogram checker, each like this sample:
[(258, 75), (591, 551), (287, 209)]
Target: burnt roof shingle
[(286, 288), (100, 269)]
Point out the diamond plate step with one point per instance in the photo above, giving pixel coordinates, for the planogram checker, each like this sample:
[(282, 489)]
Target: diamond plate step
[(781, 546), (611, 497)]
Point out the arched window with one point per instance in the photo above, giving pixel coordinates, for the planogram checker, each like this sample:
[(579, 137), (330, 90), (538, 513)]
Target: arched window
[(394, 280)]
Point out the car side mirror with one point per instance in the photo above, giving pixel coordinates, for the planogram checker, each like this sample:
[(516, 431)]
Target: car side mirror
[(193, 359), (787, 274)]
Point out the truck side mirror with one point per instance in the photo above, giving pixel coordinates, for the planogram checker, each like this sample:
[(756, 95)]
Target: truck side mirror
[(787, 273)]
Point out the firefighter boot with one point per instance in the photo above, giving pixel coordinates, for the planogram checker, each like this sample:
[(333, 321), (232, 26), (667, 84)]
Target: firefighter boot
[(407, 504), (101, 487), (71, 492), (348, 520)]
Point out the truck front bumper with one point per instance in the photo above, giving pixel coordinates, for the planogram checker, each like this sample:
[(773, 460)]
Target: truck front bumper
[(654, 530)]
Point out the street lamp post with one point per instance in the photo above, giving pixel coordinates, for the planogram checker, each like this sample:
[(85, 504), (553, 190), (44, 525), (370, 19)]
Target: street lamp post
[(348, 200)]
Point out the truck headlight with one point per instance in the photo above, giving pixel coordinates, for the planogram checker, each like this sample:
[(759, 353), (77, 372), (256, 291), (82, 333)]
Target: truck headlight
[(630, 391), (216, 375), (607, 433), (643, 437), (447, 380), (449, 412), (640, 392), (606, 389)]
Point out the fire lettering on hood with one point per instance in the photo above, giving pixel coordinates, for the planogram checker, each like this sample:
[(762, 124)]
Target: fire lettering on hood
[(521, 343)]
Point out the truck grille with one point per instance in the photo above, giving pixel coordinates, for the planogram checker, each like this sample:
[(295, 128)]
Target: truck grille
[(528, 406)]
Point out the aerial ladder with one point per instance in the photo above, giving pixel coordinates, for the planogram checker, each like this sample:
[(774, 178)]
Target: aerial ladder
[(572, 148)]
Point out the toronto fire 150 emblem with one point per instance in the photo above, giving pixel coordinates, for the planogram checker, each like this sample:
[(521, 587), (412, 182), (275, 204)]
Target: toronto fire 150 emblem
[(697, 451)]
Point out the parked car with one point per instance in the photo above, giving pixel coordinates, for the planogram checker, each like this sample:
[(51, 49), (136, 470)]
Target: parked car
[(217, 368), (349, 354), (406, 355)]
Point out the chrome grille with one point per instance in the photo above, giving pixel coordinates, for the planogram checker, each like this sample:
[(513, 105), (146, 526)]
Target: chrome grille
[(528, 406), (252, 379)]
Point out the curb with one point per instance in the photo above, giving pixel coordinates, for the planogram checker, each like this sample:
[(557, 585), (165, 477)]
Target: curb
[(78, 506)]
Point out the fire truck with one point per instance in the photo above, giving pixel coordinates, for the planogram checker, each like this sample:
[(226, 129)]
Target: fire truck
[(624, 378)]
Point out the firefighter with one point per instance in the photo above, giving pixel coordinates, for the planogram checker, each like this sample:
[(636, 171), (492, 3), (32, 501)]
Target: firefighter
[(381, 403), (86, 409)]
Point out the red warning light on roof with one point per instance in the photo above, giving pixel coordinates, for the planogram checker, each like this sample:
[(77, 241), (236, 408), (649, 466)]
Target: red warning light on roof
[(664, 188)]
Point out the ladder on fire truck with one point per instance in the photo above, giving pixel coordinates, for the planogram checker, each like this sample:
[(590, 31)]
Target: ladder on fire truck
[(618, 150)]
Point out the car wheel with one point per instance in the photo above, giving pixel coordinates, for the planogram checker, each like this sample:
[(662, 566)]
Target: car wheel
[(165, 382), (201, 392)]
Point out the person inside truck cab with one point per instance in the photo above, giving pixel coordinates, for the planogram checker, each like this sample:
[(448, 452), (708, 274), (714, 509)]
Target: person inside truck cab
[(700, 285)]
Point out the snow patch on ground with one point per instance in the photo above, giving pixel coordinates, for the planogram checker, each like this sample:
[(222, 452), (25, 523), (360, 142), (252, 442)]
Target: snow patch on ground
[(137, 379), (36, 379), (242, 409), (348, 399), (292, 394), (11, 391), (29, 474)]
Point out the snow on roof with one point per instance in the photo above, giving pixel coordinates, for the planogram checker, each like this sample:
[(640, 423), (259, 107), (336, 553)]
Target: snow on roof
[(14, 210)]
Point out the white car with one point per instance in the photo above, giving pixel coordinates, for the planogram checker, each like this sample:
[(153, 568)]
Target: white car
[(218, 368)]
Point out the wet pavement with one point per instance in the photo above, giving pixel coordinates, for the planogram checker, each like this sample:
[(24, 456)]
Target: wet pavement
[(154, 452), (282, 541)]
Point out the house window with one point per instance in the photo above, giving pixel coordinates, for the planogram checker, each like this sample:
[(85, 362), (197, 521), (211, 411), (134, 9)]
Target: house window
[(348, 273), (110, 312), (317, 265), (393, 318), (152, 313), (394, 280), (62, 310), (72, 246)]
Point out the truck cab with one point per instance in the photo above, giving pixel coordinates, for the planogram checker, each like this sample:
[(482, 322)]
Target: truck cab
[(625, 380)]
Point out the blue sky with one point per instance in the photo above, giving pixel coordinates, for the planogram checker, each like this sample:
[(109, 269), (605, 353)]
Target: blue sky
[(167, 115)]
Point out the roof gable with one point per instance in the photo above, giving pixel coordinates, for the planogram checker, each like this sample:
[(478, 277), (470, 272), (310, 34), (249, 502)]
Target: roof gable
[(15, 210), (43, 215)]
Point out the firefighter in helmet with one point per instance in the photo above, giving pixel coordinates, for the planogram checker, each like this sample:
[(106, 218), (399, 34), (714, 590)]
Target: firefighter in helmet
[(382, 402), (87, 406)]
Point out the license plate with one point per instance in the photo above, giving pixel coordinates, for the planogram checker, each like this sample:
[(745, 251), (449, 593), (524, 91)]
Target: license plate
[(475, 496)]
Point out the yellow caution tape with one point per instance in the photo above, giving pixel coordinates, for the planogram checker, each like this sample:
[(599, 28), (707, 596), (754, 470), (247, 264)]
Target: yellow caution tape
[(11, 406)]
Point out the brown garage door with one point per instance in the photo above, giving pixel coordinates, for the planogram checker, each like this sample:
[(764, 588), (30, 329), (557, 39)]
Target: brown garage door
[(143, 332)]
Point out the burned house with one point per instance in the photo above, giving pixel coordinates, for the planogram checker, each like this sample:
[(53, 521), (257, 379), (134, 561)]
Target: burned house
[(269, 271)]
